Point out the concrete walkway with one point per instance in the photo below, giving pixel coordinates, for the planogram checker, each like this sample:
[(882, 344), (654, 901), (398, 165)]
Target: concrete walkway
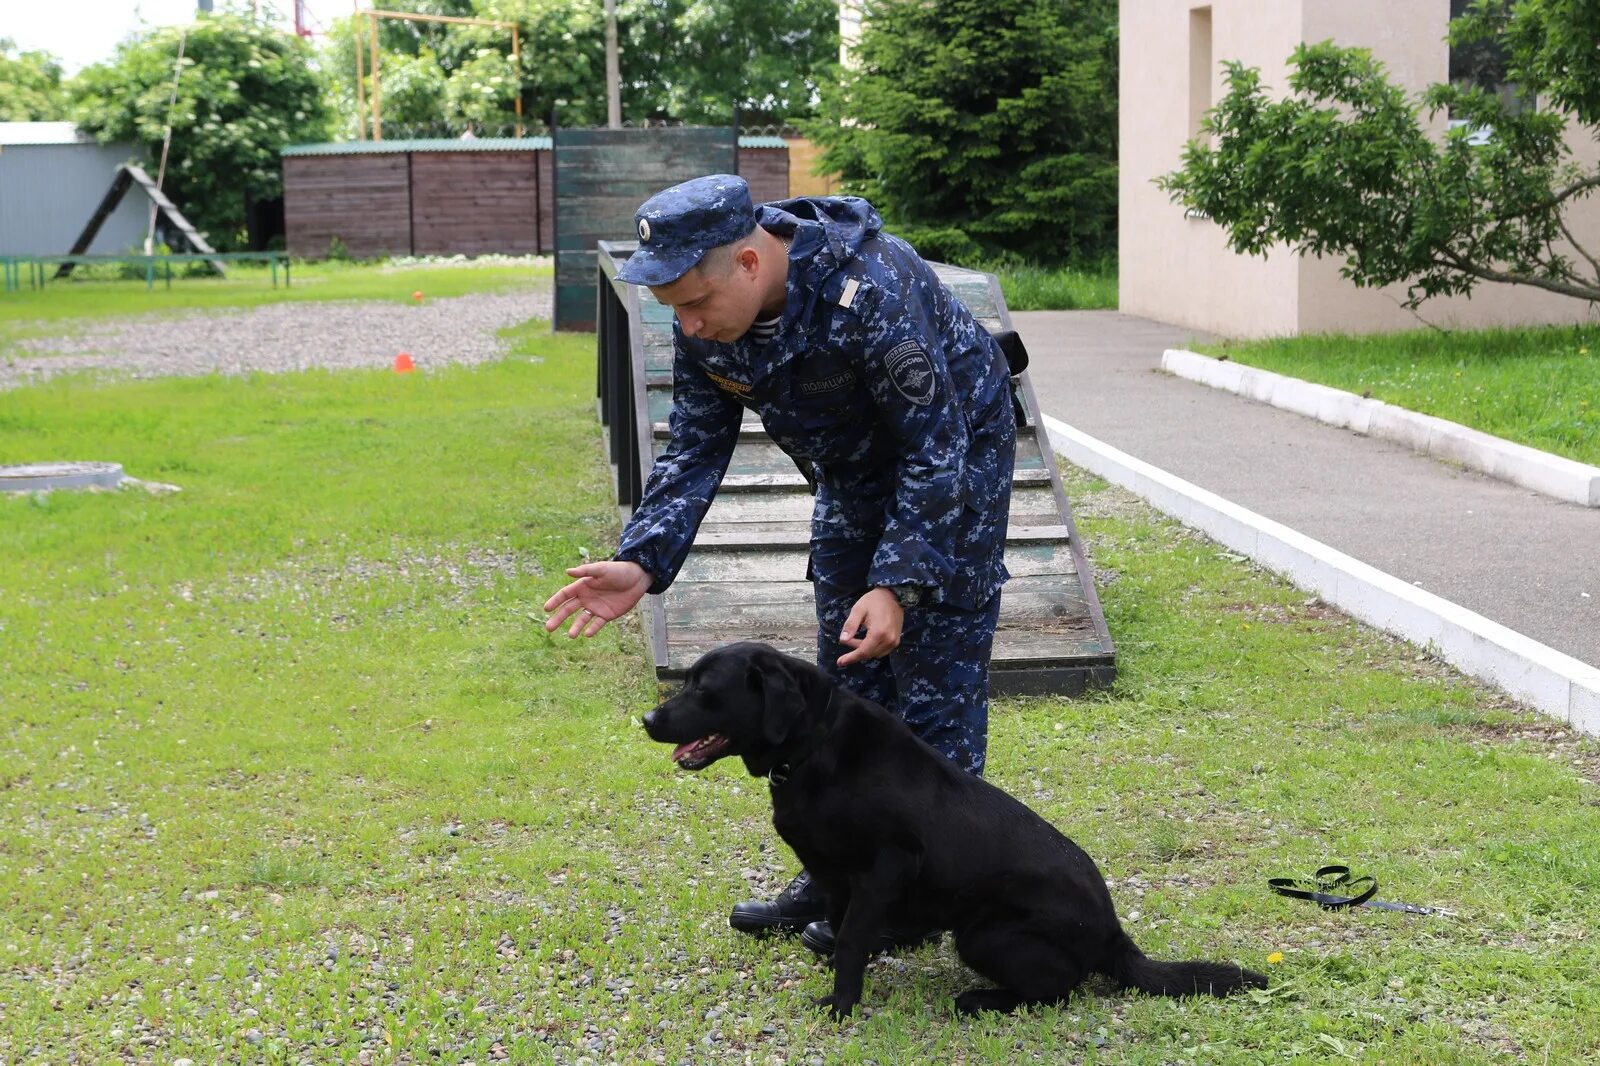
[(1518, 558)]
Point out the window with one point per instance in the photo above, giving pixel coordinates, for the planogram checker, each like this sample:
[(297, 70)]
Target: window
[(1200, 72), (1483, 64)]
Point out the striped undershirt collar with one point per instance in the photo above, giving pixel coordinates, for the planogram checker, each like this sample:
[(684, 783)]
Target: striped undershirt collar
[(763, 330)]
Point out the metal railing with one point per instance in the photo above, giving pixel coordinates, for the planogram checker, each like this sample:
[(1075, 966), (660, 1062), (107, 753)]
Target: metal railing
[(13, 268)]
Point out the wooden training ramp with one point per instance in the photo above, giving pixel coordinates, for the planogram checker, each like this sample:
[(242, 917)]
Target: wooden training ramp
[(745, 576), (127, 176)]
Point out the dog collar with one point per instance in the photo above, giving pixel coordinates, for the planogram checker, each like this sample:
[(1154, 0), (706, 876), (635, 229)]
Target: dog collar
[(781, 772)]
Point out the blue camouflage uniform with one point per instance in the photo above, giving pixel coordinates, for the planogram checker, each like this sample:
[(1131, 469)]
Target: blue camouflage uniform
[(881, 386)]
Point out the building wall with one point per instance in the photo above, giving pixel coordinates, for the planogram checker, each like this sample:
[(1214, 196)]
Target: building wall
[(474, 203), (803, 164), (48, 192), (1180, 270), (1172, 268), (447, 203), (363, 200), (767, 171)]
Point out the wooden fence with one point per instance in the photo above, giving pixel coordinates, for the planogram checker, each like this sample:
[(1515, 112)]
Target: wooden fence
[(449, 197)]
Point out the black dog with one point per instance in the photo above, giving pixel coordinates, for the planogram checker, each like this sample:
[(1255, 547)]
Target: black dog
[(892, 831)]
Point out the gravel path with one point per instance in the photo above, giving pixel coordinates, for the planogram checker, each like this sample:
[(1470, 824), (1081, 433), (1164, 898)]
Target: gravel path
[(274, 338)]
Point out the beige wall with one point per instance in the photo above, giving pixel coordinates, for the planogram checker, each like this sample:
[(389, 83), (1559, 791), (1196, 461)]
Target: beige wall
[(1173, 268), (1180, 270)]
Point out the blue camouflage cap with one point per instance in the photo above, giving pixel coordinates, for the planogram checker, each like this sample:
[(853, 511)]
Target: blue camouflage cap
[(678, 226)]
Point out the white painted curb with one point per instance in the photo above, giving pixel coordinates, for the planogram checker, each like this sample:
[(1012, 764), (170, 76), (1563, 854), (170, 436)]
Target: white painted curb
[(1565, 479), (1550, 681)]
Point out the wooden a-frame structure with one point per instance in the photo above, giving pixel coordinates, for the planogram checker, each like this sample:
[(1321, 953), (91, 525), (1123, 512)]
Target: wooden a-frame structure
[(127, 176)]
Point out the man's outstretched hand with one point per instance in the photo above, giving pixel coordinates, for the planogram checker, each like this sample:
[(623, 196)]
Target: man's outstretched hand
[(603, 592)]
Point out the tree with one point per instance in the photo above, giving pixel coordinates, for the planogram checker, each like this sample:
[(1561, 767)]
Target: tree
[(994, 118), (30, 85), (1345, 164), (689, 60), (245, 91), (696, 60)]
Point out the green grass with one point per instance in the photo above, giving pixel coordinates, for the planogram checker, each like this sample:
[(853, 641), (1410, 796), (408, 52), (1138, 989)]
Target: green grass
[(1539, 387), (35, 311), (1033, 288), (289, 770)]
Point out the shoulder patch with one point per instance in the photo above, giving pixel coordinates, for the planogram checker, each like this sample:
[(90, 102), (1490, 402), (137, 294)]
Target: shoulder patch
[(911, 372)]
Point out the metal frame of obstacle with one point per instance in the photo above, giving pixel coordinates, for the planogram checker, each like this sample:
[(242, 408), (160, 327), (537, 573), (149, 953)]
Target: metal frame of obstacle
[(1055, 602)]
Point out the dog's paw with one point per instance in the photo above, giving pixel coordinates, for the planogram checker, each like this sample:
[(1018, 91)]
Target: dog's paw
[(839, 1009)]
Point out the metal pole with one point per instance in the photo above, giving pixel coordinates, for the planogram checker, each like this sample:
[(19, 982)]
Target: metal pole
[(361, 77), (516, 61), (377, 90), (166, 141), (613, 78)]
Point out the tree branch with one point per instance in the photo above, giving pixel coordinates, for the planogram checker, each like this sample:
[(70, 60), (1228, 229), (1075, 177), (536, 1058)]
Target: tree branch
[(1562, 222), (1581, 292)]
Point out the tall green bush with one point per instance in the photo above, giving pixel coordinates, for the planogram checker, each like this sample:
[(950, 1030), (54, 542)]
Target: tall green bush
[(995, 117), (30, 85)]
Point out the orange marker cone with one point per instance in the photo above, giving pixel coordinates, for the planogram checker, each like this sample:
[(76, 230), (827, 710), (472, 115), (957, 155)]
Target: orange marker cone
[(417, 296), (403, 363)]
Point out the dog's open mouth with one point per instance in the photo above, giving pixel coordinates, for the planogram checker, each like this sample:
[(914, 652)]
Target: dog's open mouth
[(700, 753)]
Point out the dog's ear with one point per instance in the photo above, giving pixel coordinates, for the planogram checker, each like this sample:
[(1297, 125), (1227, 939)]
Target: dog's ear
[(781, 697)]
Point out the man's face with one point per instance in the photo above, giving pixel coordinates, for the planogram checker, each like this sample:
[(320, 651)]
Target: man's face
[(715, 306)]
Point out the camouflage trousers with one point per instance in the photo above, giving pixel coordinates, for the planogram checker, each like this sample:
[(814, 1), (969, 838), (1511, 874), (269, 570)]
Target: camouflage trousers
[(937, 679)]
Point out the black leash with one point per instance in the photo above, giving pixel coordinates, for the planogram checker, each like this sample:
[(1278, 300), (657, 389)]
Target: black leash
[(1333, 888)]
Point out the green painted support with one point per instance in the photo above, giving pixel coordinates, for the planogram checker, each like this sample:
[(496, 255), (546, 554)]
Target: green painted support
[(601, 177)]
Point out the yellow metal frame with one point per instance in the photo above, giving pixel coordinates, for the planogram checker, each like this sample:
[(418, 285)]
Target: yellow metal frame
[(406, 16)]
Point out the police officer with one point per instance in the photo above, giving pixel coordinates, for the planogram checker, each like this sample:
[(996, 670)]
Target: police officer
[(882, 387)]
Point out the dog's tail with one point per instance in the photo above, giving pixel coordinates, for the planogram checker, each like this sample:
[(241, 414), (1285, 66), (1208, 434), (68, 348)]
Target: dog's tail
[(1131, 968)]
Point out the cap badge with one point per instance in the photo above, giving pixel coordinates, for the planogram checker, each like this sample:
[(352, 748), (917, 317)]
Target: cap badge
[(644, 229)]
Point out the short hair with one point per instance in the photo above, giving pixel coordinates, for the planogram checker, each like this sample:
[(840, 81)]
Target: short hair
[(718, 261)]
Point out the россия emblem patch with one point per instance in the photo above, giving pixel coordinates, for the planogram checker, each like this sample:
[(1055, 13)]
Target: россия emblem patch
[(911, 371)]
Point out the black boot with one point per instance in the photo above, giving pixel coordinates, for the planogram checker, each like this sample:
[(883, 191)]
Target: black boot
[(819, 937), (796, 907)]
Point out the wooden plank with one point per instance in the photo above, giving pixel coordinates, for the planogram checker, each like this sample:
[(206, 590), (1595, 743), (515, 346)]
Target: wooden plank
[(755, 448), (1014, 649), (739, 540), (732, 509), (363, 200), (767, 172), (788, 562), (1044, 603), (473, 203)]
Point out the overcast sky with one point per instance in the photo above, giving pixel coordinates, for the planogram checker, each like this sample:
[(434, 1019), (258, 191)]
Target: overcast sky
[(87, 31)]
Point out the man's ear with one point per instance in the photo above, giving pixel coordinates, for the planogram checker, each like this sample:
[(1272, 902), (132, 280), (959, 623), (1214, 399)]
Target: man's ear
[(781, 697), (746, 258)]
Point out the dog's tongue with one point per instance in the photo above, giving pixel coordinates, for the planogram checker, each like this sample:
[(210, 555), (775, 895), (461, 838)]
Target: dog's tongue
[(682, 749)]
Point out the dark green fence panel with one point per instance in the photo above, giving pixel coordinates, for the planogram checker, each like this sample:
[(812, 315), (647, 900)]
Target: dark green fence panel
[(601, 177)]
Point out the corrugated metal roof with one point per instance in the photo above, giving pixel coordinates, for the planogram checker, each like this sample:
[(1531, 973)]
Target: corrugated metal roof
[(18, 133), (479, 144)]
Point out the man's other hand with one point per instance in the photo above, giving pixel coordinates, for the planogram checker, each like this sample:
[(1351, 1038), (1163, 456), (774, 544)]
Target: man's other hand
[(881, 615)]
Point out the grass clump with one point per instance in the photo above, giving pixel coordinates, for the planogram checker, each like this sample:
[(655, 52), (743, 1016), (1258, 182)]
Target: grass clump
[(1537, 386), (1067, 288)]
